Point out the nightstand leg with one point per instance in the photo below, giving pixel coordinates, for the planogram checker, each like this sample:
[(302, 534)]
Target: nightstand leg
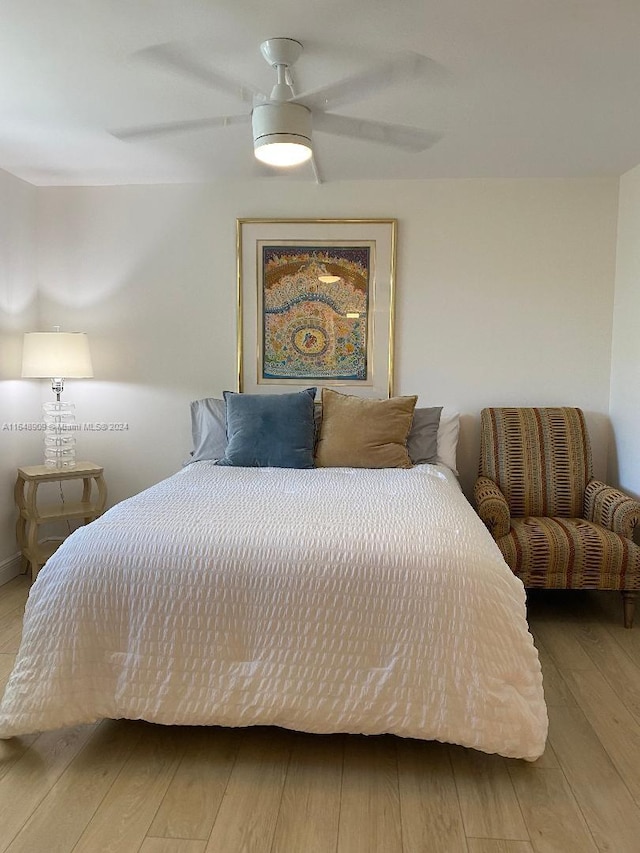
[(86, 496), (21, 536), (21, 525), (102, 493), (32, 545)]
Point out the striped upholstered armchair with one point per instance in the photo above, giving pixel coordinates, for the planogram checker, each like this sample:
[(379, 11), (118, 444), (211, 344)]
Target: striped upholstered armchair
[(556, 526)]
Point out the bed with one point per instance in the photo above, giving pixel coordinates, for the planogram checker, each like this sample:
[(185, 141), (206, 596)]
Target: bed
[(331, 599)]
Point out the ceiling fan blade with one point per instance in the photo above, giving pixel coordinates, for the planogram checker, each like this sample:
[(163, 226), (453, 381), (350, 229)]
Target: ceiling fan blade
[(400, 69), (317, 172), (173, 57), (150, 131), (397, 135)]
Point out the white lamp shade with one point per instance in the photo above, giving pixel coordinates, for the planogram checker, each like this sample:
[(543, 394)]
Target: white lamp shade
[(64, 355)]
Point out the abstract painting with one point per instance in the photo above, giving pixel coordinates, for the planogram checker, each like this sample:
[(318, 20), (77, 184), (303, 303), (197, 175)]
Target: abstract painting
[(315, 303), (315, 311)]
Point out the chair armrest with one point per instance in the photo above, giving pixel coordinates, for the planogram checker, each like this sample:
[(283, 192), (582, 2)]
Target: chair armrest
[(611, 508), (492, 507)]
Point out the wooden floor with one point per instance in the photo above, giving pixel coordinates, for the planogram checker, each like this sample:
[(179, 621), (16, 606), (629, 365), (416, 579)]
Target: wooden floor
[(132, 786)]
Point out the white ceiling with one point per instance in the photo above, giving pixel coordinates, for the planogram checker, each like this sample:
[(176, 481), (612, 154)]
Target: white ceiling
[(527, 88)]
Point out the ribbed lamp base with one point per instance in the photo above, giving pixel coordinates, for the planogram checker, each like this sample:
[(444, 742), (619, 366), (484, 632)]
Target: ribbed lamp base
[(60, 435)]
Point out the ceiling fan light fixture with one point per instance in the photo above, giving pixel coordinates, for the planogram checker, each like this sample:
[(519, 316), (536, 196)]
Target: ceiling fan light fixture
[(282, 153), (282, 133)]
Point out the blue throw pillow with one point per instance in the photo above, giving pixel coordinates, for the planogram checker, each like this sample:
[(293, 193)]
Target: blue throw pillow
[(270, 430)]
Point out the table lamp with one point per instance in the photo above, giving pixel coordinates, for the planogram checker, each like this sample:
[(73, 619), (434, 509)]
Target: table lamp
[(57, 356)]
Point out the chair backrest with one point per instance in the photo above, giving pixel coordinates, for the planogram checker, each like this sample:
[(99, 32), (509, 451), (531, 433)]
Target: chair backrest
[(540, 459)]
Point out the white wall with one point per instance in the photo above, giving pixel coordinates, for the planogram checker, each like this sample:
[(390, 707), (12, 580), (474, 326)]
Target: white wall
[(19, 400), (504, 296), (625, 360)]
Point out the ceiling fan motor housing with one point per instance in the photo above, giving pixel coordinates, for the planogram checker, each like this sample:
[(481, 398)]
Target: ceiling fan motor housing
[(281, 122)]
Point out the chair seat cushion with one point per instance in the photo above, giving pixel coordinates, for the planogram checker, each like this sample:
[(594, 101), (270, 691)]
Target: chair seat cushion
[(570, 553)]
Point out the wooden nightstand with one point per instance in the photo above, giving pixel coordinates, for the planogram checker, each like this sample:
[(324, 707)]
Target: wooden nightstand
[(34, 552)]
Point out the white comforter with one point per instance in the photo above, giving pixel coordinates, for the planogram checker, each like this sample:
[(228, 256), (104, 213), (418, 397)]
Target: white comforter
[(321, 600)]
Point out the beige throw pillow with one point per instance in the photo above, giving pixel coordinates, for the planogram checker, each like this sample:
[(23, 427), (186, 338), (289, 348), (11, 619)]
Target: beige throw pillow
[(361, 433)]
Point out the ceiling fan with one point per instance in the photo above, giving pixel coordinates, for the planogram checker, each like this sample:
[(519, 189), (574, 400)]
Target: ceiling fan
[(282, 122)]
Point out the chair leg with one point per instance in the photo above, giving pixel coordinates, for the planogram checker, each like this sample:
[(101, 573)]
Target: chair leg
[(629, 605)]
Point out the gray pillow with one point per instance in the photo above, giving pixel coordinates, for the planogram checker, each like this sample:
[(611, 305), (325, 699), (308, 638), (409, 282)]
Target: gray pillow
[(422, 441), (270, 430), (208, 429)]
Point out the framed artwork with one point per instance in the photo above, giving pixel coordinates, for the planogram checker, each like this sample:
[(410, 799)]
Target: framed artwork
[(316, 304)]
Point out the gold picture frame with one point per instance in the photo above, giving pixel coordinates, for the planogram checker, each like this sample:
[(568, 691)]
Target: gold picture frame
[(316, 301)]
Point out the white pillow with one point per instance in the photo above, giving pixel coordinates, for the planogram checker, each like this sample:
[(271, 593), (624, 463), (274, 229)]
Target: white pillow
[(448, 430)]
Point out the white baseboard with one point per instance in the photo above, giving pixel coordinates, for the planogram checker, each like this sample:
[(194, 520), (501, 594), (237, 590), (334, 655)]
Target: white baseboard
[(9, 568)]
